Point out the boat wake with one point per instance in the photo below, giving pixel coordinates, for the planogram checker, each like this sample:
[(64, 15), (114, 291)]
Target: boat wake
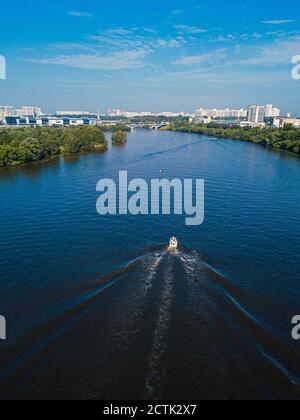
[(165, 325), (156, 375)]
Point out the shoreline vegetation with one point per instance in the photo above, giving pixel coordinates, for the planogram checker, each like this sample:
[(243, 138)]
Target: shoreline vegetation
[(29, 145), (119, 138), (115, 128), (40, 144), (284, 139)]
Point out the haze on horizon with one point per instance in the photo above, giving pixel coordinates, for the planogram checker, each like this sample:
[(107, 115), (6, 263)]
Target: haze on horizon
[(174, 56)]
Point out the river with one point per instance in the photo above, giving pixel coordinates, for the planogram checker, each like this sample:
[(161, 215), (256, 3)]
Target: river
[(97, 308)]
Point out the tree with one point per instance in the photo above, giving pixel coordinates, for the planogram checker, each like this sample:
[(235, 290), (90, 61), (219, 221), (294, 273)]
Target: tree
[(71, 142), (119, 138), (3, 155), (285, 139), (24, 145), (32, 149)]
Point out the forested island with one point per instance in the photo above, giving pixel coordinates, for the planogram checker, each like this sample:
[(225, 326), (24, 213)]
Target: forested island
[(287, 138), (26, 145), (119, 138)]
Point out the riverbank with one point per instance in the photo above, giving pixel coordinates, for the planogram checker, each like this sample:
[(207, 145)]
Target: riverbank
[(39, 144), (277, 139)]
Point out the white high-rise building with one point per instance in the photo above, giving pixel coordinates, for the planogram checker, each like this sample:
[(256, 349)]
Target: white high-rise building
[(67, 113), (6, 111), (127, 114), (28, 111), (221, 113), (276, 112), (116, 112), (271, 111), (256, 114)]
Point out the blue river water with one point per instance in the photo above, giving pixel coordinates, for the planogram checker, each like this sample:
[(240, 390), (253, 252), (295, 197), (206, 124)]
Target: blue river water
[(97, 308)]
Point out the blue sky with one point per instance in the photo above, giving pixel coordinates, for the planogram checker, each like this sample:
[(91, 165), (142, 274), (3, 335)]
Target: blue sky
[(155, 56)]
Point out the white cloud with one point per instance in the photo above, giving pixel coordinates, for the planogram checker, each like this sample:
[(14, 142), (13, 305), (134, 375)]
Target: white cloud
[(167, 43), (124, 60), (191, 60), (133, 39), (190, 29), (278, 21), (177, 12), (275, 53), (113, 49), (80, 14), (119, 31)]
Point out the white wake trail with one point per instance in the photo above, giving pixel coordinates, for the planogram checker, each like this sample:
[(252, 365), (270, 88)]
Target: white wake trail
[(155, 378)]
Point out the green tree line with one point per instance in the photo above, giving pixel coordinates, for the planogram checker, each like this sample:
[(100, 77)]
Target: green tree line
[(287, 138), (115, 128), (25, 145)]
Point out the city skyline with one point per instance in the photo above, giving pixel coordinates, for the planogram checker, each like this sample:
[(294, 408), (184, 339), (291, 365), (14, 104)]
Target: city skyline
[(269, 110), (253, 116), (156, 57)]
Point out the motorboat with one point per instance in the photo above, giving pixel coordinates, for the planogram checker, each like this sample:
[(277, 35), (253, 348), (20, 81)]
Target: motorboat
[(173, 244)]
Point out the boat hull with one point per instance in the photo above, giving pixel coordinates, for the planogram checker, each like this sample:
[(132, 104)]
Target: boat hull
[(173, 245)]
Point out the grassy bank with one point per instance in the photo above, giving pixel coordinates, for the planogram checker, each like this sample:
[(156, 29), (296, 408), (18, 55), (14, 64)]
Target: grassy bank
[(287, 139)]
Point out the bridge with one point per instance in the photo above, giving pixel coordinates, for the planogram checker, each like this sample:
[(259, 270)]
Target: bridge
[(150, 126)]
